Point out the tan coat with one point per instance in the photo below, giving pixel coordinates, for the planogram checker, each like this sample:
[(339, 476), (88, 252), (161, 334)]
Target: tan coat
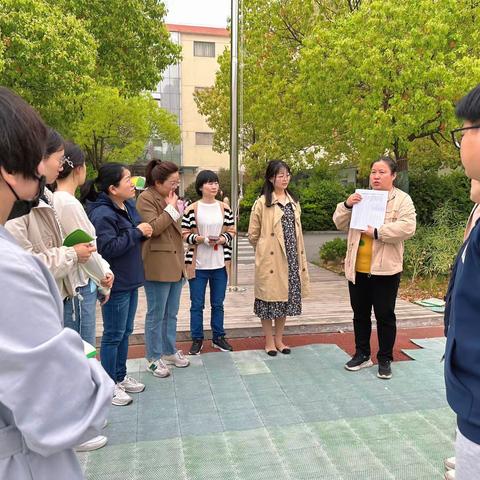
[(265, 233), (39, 233), (387, 251), (163, 257)]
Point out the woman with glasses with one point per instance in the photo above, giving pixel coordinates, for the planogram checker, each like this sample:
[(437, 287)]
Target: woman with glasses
[(281, 274), (373, 266), (208, 228), (164, 266)]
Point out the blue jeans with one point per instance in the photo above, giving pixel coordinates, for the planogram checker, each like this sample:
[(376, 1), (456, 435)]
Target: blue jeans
[(163, 300), (217, 279), (82, 317), (118, 316)]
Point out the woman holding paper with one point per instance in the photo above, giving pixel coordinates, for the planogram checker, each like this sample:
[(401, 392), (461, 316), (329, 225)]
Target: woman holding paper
[(373, 265), (281, 274), (79, 312)]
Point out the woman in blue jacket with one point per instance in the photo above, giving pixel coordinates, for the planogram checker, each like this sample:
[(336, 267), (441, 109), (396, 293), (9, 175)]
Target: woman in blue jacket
[(120, 232)]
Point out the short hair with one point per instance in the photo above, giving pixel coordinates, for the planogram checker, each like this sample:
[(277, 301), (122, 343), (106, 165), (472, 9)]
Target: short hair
[(204, 177), (468, 107), (23, 135), (392, 164), (158, 171)]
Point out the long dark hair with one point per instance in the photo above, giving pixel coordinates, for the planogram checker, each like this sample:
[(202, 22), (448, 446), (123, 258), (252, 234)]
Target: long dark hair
[(74, 157), (158, 171), (109, 174), (273, 167)]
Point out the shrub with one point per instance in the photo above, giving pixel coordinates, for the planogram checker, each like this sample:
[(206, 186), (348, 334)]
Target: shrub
[(334, 250)]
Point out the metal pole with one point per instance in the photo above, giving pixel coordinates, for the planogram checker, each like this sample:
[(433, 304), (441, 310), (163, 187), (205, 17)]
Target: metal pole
[(234, 138)]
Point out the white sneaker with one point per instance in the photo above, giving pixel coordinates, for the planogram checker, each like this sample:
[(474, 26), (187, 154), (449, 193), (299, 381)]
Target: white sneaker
[(158, 368), (178, 359), (131, 385), (450, 475), (93, 444), (120, 398), (449, 463)]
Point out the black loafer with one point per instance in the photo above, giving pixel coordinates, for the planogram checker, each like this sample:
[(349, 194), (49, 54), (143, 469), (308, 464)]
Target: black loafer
[(272, 353), (285, 351)]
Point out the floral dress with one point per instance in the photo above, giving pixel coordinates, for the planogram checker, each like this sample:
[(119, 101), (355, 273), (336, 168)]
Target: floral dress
[(271, 310)]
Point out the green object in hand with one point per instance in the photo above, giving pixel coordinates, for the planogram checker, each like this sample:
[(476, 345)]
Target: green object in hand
[(76, 237)]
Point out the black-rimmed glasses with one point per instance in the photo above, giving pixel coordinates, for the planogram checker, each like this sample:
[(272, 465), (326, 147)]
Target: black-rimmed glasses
[(457, 134)]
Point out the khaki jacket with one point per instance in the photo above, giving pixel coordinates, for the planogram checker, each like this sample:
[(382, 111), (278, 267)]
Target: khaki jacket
[(265, 233), (40, 233), (163, 256), (387, 252)]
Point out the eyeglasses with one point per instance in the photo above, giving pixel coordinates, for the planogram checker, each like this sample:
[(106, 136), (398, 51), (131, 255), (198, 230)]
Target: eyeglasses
[(173, 183), (457, 134), (284, 175)]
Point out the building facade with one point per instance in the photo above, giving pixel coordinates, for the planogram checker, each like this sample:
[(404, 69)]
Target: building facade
[(201, 47)]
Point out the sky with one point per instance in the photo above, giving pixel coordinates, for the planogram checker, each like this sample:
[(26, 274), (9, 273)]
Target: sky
[(206, 13)]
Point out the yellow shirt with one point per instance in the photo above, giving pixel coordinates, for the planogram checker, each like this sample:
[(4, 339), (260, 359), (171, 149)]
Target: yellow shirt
[(364, 254)]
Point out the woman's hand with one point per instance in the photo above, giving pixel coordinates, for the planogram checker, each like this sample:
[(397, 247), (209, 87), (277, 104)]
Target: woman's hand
[(172, 199), (221, 240), (107, 281), (369, 231), (146, 229), (84, 251), (353, 199), (199, 239)]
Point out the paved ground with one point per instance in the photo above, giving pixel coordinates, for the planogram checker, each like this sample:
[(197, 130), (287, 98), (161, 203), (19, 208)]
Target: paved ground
[(244, 415)]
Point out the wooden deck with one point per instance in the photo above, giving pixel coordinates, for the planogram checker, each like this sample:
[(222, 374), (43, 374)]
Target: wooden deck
[(327, 309)]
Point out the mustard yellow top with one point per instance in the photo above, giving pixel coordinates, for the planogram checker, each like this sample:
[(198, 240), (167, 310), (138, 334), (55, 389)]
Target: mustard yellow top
[(364, 254)]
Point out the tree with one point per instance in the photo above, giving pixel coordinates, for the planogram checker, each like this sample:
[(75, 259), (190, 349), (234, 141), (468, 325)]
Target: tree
[(112, 127), (48, 55), (388, 74), (134, 46)]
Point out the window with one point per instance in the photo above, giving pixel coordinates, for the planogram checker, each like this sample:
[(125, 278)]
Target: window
[(204, 49), (203, 138)]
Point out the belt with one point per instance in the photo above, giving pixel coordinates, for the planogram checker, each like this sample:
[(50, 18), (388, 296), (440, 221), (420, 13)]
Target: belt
[(11, 442)]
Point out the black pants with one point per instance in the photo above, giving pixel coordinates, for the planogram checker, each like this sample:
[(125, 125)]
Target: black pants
[(379, 292)]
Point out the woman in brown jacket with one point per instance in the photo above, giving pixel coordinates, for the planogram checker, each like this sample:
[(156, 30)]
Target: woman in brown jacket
[(373, 266), (164, 266), (281, 274)]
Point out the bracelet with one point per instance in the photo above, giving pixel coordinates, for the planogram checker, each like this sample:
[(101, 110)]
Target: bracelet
[(346, 206), (375, 234)]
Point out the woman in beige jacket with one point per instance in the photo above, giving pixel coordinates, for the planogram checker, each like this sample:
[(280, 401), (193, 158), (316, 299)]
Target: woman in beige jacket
[(281, 275), (373, 266)]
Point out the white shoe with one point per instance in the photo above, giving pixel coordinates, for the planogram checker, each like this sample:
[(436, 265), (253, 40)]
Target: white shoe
[(158, 368), (449, 463), (450, 475), (131, 385), (120, 398), (93, 444), (178, 359)]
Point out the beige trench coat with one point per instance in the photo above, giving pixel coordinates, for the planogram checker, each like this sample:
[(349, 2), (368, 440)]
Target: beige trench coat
[(265, 233), (387, 252)]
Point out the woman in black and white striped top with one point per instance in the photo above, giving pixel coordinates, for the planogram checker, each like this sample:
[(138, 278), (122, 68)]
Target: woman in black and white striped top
[(208, 228)]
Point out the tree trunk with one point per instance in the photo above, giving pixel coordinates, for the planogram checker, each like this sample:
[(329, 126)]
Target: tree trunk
[(402, 181)]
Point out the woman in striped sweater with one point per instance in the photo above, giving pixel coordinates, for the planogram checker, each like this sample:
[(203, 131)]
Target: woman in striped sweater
[(208, 228)]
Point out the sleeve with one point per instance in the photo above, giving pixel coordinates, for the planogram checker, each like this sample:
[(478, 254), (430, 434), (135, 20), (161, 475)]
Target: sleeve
[(229, 225), (188, 224), (113, 242), (149, 213), (72, 216), (255, 224), (405, 225), (58, 397), (60, 261), (342, 217)]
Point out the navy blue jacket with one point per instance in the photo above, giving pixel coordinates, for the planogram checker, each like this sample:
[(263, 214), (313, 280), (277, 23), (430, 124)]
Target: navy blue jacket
[(119, 241), (462, 353)]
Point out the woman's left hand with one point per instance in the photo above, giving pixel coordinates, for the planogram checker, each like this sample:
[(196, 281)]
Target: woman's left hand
[(221, 240), (107, 281), (369, 231)]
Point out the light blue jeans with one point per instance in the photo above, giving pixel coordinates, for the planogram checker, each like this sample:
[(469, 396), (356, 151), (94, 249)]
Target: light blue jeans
[(163, 300), (82, 317)]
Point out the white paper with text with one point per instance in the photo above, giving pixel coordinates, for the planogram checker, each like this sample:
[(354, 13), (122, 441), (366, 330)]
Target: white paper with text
[(370, 210)]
